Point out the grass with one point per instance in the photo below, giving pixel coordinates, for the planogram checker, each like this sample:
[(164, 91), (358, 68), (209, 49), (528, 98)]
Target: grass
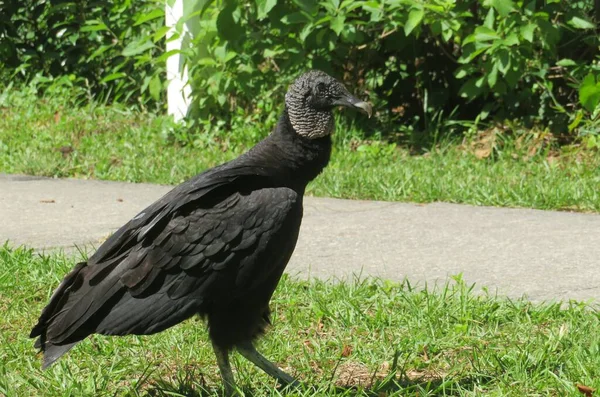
[(52, 138), (370, 337)]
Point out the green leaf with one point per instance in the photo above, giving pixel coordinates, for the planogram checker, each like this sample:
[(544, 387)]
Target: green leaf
[(155, 87), (566, 62), (527, 31), (350, 5), (447, 31), (462, 71), (306, 30), (337, 24), (165, 55), (321, 21), (485, 112), (145, 84), (270, 53), (322, 38), (483, 33), (332, 5), (589, 92), (160, 33), (113, 76), (99, 51), (309, 6), (511, 39), (580, 23), (492, 77), (504, 7), (220, 52), (295, 17), (591, 142), (472, 88), (490, 18), (375, 10), (230, 55), (435, 8), (436, 28), (415, 16), (351, 35), (93, 26), (137, 47), (156, 13), (576, 121), (206, 61), (264, 6), (467, 57), (503, 61), (444, 28)]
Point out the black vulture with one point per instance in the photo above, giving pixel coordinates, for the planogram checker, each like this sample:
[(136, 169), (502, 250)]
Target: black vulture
[(216, 245)]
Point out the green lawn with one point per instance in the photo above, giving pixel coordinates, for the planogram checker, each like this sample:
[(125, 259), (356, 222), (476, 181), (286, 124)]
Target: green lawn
[(370, 335), (48, 137), (385, 338)]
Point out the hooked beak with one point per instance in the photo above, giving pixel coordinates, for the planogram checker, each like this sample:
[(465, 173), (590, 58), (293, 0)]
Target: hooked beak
[(353, 102)]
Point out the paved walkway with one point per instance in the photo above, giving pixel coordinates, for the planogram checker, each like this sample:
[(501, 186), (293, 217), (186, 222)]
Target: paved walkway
[(541, 254)]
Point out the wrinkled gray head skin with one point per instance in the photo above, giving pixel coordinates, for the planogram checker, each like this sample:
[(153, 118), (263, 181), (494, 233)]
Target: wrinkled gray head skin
[(311, 99)]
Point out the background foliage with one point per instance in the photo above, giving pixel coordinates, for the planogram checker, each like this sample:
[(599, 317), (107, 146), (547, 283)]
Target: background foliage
[(431, 67), (113, 51)]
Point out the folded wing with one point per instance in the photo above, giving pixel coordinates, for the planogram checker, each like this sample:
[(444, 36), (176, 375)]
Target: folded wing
[(154, 274)]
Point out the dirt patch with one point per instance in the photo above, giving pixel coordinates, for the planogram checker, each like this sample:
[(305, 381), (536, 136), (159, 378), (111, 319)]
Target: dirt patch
[(353, 374)]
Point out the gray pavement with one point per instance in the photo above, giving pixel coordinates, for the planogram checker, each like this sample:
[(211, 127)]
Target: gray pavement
[(543, 255)]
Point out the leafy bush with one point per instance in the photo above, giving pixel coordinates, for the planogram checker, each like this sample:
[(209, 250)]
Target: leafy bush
[(424, 64), (113, 49), (430, 67)]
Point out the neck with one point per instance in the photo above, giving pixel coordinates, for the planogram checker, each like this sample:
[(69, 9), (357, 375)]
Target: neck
[(291, 159), (308, 121)]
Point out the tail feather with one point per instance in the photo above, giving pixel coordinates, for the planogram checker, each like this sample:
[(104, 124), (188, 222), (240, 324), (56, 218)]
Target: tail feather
[(78, 309), (54, 352), (51, 351), (56, 302)]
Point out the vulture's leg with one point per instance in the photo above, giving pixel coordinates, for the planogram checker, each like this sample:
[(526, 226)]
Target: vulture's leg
[(247, 350), (225, 369)]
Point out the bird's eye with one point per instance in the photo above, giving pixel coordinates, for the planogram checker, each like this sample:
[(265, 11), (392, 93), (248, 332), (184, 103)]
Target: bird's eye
[(320, 88)]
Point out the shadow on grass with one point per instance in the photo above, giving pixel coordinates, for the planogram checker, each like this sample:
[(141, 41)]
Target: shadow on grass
[(448, 386), (193, 385)]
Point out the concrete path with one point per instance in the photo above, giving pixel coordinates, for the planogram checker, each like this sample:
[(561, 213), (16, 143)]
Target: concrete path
[(543, 255)]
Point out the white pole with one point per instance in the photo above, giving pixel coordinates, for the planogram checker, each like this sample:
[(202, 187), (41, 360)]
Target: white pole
[(178, 89)]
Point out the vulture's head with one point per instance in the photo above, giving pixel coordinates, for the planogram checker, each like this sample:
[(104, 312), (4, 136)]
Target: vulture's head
[(310, 101)]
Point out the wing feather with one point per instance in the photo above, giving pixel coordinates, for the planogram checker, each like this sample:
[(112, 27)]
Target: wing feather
[(167, 269)]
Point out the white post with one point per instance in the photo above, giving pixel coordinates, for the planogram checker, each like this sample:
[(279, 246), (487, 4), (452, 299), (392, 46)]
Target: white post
[(178, 89)]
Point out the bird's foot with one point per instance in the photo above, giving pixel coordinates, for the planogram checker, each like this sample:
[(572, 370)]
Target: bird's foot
[(251, 354), (229, 390)]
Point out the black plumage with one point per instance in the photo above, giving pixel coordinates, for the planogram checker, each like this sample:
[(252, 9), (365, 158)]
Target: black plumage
[(215, 245)]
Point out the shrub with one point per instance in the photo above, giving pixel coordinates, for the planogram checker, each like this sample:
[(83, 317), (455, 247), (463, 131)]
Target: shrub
[(113, 49), (422, 62), (434, 66)]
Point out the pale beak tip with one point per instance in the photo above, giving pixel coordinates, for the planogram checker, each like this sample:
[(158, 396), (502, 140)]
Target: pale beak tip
[(365, 107)]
